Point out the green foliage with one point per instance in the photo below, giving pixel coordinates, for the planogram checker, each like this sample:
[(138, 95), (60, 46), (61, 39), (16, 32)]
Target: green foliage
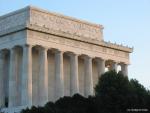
[(140, 95), (75, 104), (112, 91), (112, 83), (115, 93)]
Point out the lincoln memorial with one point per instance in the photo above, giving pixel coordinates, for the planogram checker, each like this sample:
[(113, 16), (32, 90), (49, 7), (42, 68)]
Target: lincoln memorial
[(45, 56)]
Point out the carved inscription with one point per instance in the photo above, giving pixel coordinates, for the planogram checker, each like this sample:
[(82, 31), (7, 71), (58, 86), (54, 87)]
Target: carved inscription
[(65, 25)]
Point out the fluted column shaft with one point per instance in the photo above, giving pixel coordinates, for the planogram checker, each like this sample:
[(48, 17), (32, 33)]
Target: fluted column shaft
[(114, 66), (26, 96), (43, 77), (2, 96), (59, 83), (101, 66), (124, 69), (12, 80), (88, 76), (74, 83)]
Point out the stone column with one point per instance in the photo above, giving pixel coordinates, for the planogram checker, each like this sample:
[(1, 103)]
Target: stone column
[(59, 83), (74, 82), (101, 66), (12, 100), (26, 96), (114, 66), (2, 95), (88, 76), (43, 77), (124, 69)]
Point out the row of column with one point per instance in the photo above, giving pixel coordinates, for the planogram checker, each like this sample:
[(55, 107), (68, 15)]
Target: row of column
[(26, 90), (124, 68)]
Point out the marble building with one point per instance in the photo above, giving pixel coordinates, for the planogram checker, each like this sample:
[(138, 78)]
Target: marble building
[(44, 56)]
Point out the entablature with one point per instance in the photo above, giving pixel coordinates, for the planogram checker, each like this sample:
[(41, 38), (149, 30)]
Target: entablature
[(78, 47)]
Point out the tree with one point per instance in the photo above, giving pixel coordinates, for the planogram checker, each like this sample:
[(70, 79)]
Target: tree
[(115, 93), (111, 92), (140, 95)]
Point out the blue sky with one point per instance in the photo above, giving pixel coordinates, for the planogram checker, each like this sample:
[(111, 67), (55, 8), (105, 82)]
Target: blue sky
[(124, 21)]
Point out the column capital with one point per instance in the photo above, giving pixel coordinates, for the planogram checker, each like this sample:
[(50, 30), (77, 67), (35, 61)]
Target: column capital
[(43, 49), (99, 58), (72, 54), (115, 62), (58, 51), (88, 57), (123, 63)]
